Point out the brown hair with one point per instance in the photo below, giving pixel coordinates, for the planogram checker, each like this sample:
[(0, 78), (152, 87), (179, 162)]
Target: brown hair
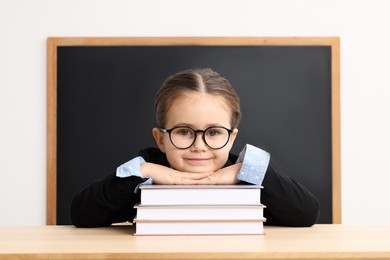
[(195, 80)]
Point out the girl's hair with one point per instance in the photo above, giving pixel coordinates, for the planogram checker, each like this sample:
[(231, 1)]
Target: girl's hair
[(195, 80)]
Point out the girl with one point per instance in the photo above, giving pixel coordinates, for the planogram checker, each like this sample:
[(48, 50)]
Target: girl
[(197, 115)]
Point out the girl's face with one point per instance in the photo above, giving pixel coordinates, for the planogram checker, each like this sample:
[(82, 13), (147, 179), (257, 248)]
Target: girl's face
[(198, 111)]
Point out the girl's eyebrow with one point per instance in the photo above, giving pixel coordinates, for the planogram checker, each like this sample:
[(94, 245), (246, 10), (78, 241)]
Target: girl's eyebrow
[(193, 126), (182, 124)]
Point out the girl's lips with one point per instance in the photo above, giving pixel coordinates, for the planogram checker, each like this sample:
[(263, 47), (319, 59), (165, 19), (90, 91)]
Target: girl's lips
[(197, 160)]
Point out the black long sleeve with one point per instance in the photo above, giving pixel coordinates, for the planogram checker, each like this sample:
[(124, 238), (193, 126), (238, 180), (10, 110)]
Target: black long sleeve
[(287, 202), (106, 201), (112, 199)]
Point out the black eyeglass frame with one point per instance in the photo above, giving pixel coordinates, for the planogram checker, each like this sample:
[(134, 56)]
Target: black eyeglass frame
[(164, 130)]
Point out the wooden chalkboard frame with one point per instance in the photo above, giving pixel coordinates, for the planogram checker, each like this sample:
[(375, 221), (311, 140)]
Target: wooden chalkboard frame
[(54, 42)]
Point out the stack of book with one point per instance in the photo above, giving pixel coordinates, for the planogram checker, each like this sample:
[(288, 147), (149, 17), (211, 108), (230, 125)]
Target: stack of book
[(199, 210)]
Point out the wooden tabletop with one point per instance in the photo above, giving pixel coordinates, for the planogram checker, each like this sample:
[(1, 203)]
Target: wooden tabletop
[(117, 242)]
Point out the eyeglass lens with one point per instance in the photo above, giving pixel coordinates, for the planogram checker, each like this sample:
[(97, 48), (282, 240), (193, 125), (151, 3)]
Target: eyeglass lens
[(214, 137)]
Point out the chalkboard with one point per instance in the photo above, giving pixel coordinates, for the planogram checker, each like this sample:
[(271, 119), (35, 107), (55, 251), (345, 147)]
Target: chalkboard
[(100, 106)]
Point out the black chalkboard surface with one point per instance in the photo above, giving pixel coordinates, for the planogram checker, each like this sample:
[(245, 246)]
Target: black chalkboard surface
[(105, 108)]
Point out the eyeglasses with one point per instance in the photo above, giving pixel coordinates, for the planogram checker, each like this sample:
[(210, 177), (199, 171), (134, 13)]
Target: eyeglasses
[(183, 137)]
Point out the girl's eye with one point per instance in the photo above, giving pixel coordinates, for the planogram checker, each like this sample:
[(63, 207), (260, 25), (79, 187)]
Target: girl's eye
[(213, 132), (183, 131)]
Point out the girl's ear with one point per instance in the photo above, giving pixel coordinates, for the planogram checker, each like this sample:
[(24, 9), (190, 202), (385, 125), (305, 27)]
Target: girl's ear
[(159, 138), (233, 135)]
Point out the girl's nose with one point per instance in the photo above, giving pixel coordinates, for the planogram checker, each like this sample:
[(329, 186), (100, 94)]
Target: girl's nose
[(199, 144)]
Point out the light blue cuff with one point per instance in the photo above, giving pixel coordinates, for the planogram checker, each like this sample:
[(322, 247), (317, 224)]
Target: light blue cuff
[(132, 168), (254, 164)]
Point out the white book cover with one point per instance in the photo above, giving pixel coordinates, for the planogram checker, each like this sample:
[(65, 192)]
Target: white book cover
[(207, 212), (231, 227), (200, 194)]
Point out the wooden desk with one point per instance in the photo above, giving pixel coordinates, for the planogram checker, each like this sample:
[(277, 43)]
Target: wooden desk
[(320, 241)]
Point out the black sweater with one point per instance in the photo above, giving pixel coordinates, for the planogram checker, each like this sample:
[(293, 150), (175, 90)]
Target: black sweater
[(112, 199)]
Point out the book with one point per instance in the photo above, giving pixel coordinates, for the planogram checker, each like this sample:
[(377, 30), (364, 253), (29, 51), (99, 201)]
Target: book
[(200, 194), (200, 227), (198, 212)]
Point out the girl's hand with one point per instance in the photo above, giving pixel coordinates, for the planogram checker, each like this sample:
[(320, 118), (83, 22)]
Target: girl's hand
[(227, 175), (165, 175)]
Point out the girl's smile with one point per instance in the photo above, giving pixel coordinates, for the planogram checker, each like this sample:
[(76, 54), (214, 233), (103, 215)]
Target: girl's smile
[(197, 161)]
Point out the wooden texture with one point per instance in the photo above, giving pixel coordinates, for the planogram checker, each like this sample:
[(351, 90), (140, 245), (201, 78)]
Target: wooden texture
[(55, 42), (51, 135), (328, 241)]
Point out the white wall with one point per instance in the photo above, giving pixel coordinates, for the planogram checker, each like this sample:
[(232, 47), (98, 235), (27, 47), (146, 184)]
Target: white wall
[(365, 85)]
